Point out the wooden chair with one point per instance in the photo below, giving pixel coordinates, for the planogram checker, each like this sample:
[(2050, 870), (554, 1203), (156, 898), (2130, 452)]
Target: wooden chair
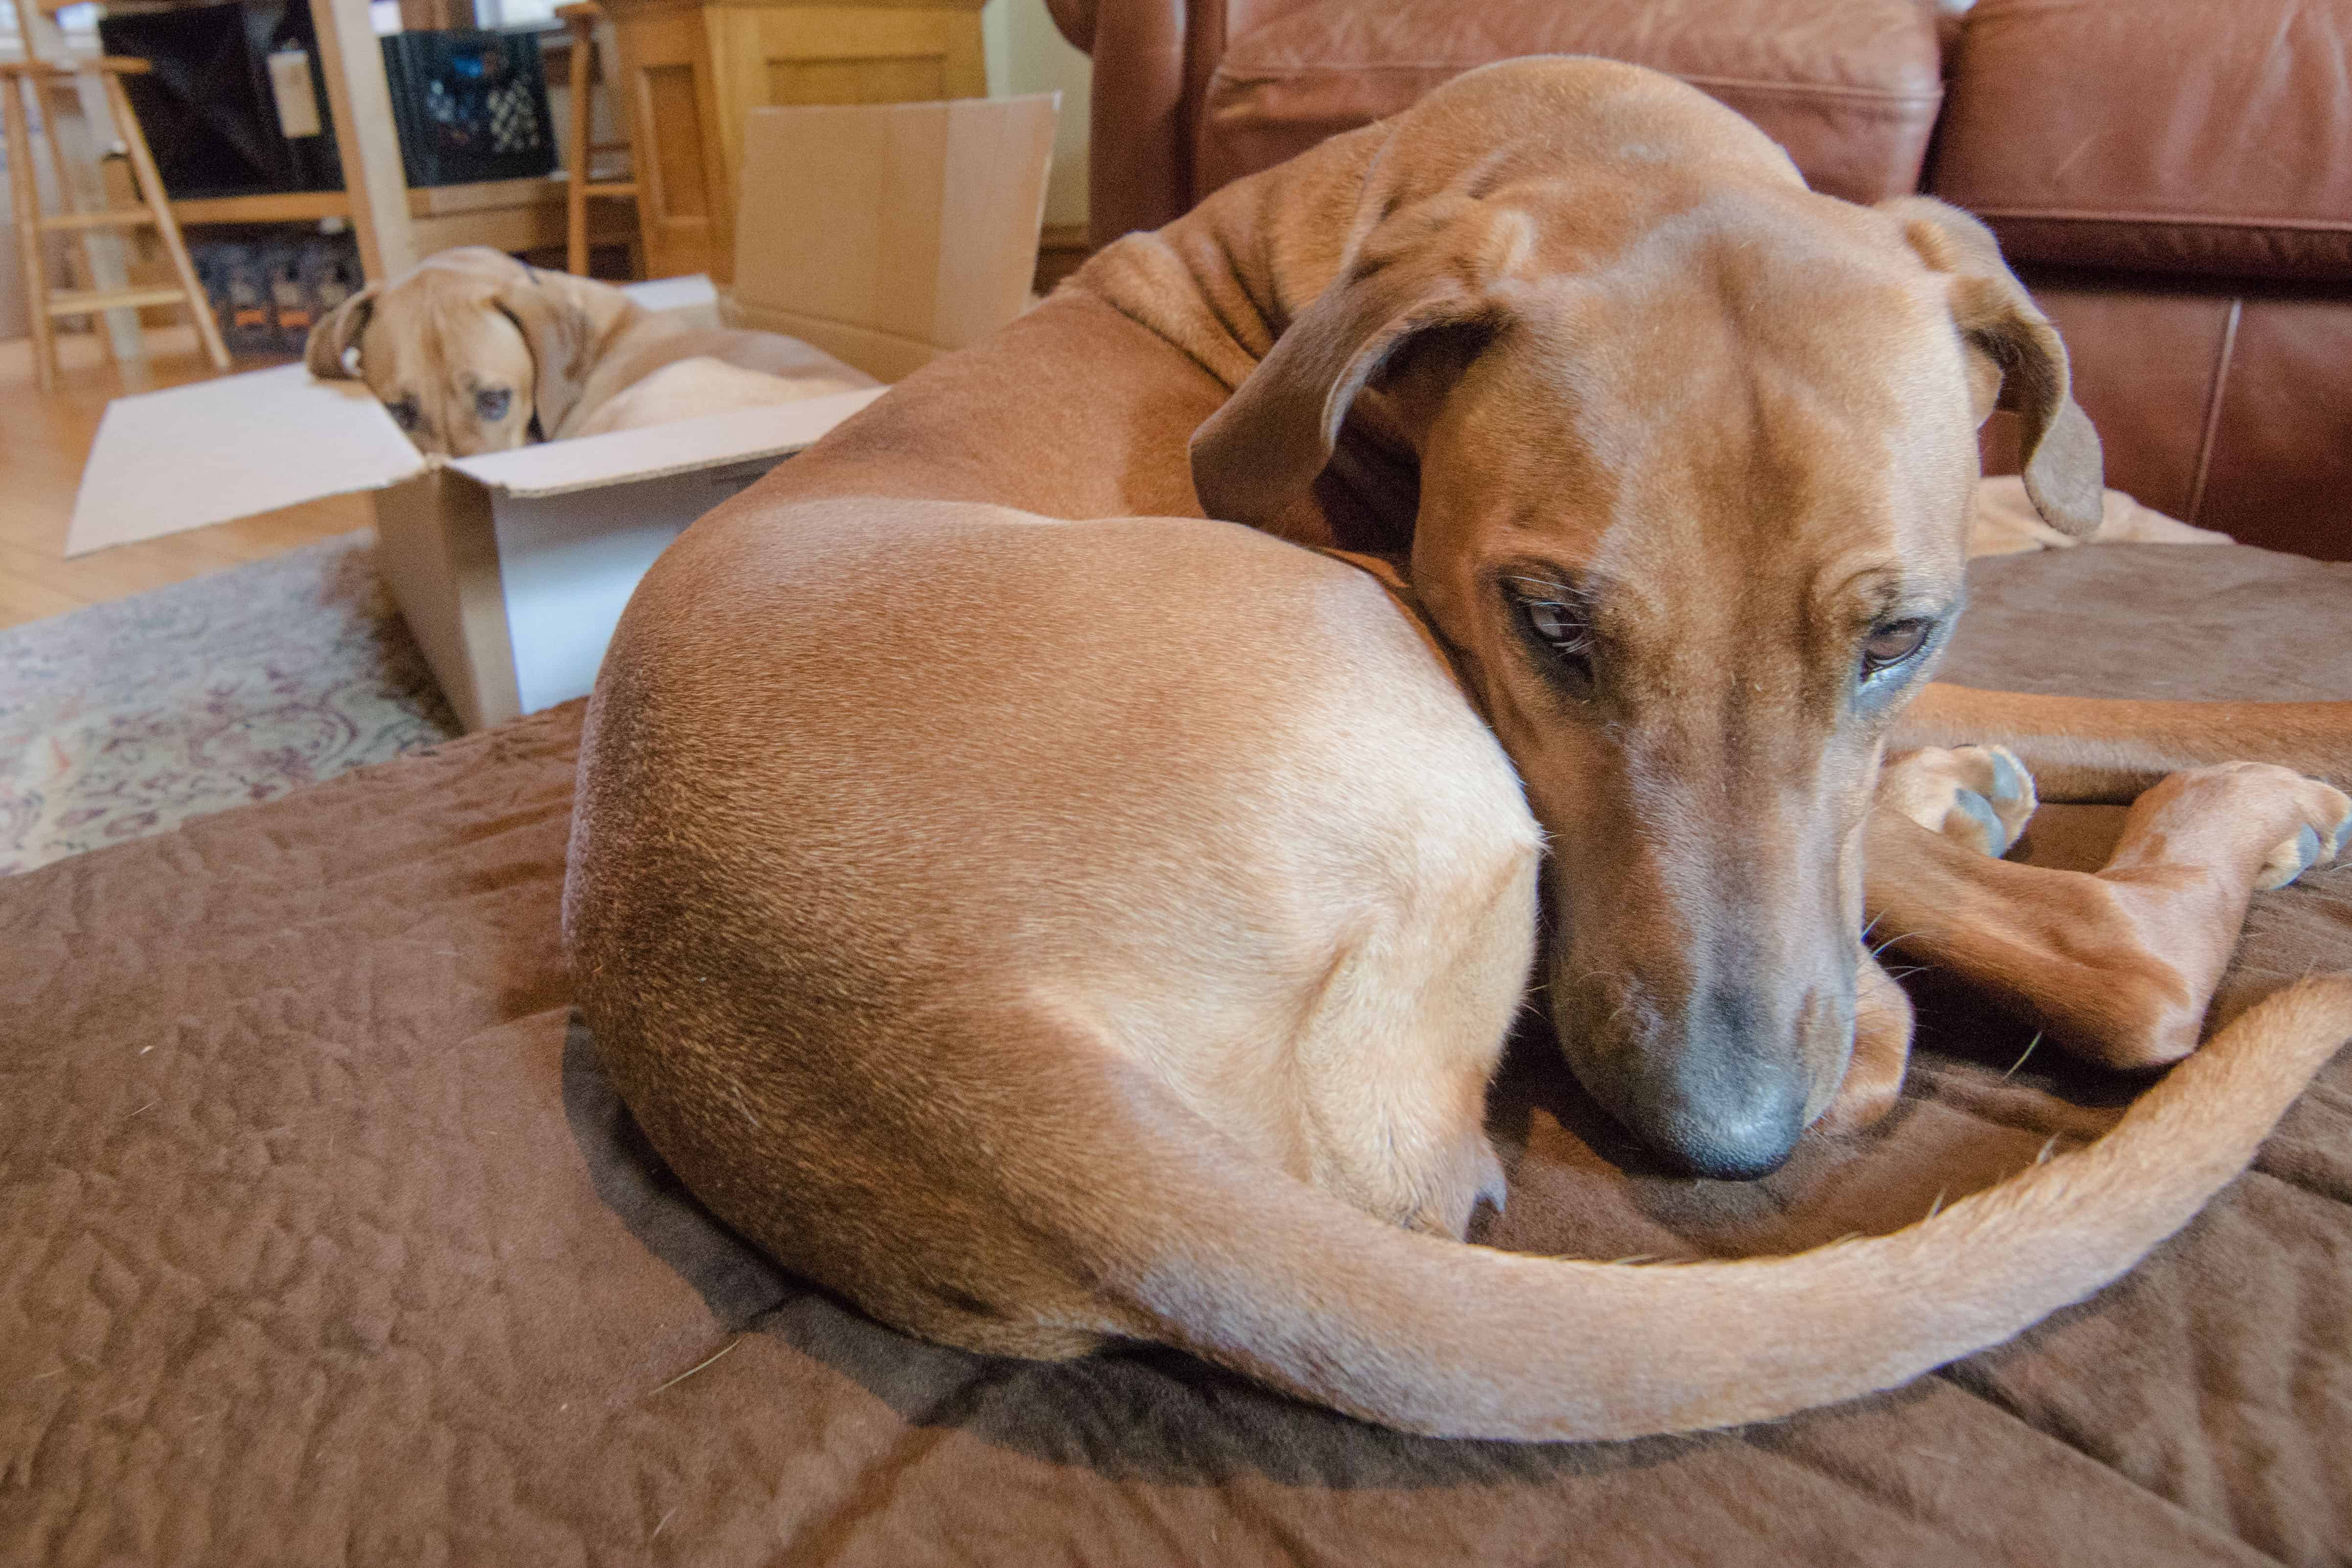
[(45, 83), (579, 152)]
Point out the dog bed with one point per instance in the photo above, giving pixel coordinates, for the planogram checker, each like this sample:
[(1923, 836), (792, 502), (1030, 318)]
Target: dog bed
[(324, 1241)]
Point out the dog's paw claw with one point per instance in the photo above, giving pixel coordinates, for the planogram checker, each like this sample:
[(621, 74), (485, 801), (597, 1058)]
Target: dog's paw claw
[(2293, 857), (2010, 782), (1979, 796), (1990, 830)]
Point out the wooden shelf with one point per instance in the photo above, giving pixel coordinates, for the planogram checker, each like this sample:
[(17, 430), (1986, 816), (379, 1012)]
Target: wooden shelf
[(440, 201), (396, 226), (86, 301), (112, 219), (423, 202), (270, 207), (509, 215)]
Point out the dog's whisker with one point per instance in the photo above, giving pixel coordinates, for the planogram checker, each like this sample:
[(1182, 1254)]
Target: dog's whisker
[(698, 1365), (1543, 585), (2020, 1061)]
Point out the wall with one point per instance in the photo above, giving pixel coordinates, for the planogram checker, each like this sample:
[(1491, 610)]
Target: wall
[(1027, 54)]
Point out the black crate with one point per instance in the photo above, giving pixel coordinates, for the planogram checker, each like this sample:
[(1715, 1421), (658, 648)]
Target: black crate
[(206, 106), (267, 287), (470, 105)]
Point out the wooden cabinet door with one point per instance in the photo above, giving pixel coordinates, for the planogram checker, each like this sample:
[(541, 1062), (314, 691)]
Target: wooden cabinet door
[(769, 55), (693, 71), (683, 215)]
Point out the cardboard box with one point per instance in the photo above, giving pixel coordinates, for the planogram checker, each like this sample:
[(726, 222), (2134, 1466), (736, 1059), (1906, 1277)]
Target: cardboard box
[(886, 234), (886, 281)]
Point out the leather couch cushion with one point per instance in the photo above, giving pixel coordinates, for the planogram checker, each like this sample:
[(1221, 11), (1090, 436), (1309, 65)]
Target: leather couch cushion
[(2197, 136), (2279, 462), (1851, 89), (2229, 407)]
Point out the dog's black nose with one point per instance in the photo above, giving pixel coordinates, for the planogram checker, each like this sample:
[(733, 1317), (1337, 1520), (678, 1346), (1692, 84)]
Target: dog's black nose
[(1725, 1101), (1739, 1140)]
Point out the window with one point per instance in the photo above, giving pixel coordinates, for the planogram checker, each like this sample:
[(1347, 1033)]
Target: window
[(78, 23), (515, 13)]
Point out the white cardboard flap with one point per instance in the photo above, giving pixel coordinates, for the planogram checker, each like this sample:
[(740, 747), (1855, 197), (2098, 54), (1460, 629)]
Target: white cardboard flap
[(568, 564), (662, 296), (658, 451), (219, 450)]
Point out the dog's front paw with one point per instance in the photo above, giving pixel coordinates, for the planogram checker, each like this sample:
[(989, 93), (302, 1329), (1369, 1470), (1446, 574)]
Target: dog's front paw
[(1979, 796), (2256, 808), (2318, 841)]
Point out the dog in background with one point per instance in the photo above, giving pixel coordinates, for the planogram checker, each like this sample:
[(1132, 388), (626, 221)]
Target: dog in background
[(474, 351)]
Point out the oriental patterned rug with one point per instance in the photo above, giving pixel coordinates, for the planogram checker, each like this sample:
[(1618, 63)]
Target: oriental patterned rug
[(128, 719)]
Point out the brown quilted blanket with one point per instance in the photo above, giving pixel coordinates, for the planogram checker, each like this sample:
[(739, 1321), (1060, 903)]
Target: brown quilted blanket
[(322, 1241)]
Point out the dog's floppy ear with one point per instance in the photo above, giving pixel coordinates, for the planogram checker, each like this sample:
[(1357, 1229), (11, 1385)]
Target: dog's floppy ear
[(337, 330), (561, 319), (1267, 443), (2018, 351)]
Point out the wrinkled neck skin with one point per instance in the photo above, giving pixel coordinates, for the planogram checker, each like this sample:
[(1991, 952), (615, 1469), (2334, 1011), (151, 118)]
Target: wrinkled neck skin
[(1255, 253)]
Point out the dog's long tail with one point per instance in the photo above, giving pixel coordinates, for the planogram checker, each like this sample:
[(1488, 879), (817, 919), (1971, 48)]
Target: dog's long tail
[(1275, 1280)]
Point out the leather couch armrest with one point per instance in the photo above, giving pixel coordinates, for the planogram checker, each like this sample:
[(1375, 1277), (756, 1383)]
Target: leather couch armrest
[(1140, 164), (1076, 18)]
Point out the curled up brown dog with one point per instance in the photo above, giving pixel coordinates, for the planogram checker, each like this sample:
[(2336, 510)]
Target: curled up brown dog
[(1046, 916)]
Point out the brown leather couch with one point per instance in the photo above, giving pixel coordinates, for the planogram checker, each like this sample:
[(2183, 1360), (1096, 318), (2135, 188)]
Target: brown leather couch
[(2173, 177)]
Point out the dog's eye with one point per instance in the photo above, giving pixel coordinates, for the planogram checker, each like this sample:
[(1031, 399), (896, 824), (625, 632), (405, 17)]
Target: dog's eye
[(404, 413), (1555, 623), (490, 405), (1564, 634), (1893, 643)]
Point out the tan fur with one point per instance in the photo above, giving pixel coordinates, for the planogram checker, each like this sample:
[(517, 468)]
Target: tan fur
[(1044, 915), (472, 346)]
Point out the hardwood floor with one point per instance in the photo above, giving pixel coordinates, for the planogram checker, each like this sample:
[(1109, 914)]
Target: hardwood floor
[(43, 442)]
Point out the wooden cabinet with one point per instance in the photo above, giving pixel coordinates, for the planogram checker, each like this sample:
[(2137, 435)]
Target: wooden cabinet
[(692, 69)]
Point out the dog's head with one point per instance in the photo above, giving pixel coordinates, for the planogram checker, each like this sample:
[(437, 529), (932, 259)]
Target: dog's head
[(471, 352), (1696, 450)]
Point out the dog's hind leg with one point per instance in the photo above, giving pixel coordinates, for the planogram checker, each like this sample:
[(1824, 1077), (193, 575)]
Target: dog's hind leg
[(2117, 966), (1391, 1061)]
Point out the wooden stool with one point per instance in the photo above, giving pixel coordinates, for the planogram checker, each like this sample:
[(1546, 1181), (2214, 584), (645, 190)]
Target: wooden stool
[(46, 304), (579, 152)]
